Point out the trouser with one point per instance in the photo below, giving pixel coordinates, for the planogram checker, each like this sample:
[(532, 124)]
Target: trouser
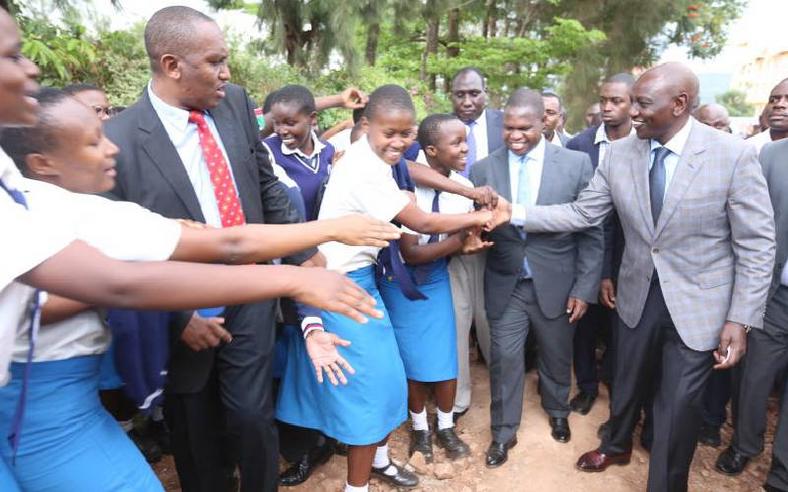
[(507, 361), (767, 356), (594, 326), (655, 344), (466, 274)]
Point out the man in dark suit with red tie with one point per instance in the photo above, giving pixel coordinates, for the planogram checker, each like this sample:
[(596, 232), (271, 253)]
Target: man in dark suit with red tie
[(189, 149)]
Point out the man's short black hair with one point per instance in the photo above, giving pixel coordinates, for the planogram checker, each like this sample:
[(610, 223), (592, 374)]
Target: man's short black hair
[(293, 94), (170, 30), (621, 78), (548, 93), (389, 97), (526, 98), (19, 142), (429, 129), (81, 87), (467, 70)]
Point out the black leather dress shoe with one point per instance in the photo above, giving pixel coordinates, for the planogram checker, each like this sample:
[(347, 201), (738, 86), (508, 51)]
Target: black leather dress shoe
[(709, 435), (451, 442), (421, 441), (560, 426), (300, 471), (582, 403), (401, 478), (498, 453), (731, 462)]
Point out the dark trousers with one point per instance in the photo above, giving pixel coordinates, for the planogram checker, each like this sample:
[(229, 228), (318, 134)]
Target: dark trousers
[(716, 396), (593, 327), (767, 356), (507, 361), (655, 344), (238, 398)]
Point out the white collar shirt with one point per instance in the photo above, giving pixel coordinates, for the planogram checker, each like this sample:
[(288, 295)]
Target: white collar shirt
[(186, 140), (601, 139), (480, 134), (556, 140), (760, 139), (448, 203), (676, 146), (534, 162)]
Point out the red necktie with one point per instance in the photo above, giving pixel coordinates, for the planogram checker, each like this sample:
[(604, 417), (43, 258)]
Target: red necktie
[(227, 200)]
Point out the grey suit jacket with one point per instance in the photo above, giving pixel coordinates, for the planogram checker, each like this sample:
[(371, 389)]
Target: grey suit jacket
[(774, 160), (563, 264), (713, 246)]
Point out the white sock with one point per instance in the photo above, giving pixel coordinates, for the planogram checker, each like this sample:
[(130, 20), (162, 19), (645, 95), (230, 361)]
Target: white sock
[(420, 420), (445, 420), (350, 488), (382, 460), (126, 425)]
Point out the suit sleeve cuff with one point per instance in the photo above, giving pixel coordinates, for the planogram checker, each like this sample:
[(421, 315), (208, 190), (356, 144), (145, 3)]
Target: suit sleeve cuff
[(310, 324), (518, 215)]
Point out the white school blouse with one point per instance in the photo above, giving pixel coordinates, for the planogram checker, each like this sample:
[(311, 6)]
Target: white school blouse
[(448, 203), (120, 230), (28, 239), (361, 182)]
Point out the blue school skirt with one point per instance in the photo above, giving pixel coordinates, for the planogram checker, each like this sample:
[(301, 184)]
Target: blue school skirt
[(425, 329), (68, 441), (374, 401)]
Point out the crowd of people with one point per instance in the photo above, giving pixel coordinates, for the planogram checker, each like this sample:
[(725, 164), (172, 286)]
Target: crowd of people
[(353, 268)]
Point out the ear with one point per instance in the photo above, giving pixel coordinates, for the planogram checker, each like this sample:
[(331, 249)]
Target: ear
[(313, 119), (681, 104), (39, 165), (170, 66), (364, 122), (431, 151)]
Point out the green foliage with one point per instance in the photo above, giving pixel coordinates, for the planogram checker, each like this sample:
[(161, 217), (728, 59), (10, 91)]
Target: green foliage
[(736, 103), (61, 54)]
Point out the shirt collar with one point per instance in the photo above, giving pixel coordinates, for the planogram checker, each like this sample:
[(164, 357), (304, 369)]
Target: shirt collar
[(679, 140), (535, 154), (174, 117), (318, 146), (9, 173), (601, 134)]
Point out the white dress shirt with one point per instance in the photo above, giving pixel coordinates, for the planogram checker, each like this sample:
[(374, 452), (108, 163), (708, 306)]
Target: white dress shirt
[(676, 147), (361, 183), (556, 140), (186, 140), (480, 134), (601, 139), (535, 164), (448, 203), (29, 238), (120, 230)]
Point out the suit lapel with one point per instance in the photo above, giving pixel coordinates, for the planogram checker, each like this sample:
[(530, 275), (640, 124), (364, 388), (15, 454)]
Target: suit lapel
[(162, 153), (548, 180), (689, 165), (639, 167), (500, 173)]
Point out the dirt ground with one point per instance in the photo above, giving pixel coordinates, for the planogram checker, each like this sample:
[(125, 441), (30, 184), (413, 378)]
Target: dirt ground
[(537, 463)]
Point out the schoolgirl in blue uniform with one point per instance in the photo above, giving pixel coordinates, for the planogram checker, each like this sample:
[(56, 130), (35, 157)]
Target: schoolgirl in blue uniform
[(424, 325), (373, 403)]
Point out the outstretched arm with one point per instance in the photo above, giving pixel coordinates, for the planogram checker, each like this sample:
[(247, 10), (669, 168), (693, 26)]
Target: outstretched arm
[(429, 178), (174, 285), (433, 223)]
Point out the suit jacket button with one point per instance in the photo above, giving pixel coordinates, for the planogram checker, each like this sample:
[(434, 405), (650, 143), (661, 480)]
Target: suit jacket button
[(655, 250)]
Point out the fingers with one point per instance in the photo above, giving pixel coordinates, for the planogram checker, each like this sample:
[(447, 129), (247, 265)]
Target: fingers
[(345, 365), (330, 373), (219, 331), (318, 371)]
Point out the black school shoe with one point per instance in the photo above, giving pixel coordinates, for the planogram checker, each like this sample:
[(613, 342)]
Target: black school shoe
[(421, 441), (454, 446), (402, 478), (300, 471)]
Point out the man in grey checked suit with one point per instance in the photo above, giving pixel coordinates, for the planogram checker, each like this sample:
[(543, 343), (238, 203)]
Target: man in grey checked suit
[(542, 281), (699, 233), (767, 355)]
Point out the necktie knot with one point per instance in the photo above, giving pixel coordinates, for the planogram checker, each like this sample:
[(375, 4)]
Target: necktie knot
[(660, 153), (196, 117)]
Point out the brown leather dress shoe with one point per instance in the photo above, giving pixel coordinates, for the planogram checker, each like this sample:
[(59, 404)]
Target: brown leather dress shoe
[(597, 461)]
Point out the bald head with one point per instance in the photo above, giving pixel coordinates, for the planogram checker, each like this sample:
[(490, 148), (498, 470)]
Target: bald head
[(663, 98), (715, 115), (172, 30)]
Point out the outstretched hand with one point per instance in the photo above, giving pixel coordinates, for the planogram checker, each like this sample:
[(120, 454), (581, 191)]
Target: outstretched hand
[(502, 214), (322, 350), (363, 230), (473, 243), (353, 98), (484, 196), (332, 291)]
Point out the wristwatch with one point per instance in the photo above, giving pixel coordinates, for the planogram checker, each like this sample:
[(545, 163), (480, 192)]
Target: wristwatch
[(747, 329)]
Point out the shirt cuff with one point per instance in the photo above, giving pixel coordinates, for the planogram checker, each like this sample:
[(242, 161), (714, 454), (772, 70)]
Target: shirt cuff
[(310, 324), (518, 215)]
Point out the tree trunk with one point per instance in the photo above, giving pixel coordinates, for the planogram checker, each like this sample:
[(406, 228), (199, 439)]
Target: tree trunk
[(373, 32), (490, 20), (431, 47), (452, 39)]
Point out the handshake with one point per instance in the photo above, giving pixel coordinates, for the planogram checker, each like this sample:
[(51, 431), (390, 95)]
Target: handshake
[(500, 210)]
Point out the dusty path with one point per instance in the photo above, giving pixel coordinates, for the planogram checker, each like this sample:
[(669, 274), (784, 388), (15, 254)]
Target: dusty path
[(538, 463)]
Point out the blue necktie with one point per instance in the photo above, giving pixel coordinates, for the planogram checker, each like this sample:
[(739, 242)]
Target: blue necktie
[(471, 141), (656, 181), (523, 198), (436, 208), (35, 318)]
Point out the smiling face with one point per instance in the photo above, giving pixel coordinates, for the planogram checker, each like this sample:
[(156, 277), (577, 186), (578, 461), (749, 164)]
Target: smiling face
[(659, 109), (522, 129), (294, 126), (450, 151), (390, 133), (17, 77), (202, 72), (82, 159)]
